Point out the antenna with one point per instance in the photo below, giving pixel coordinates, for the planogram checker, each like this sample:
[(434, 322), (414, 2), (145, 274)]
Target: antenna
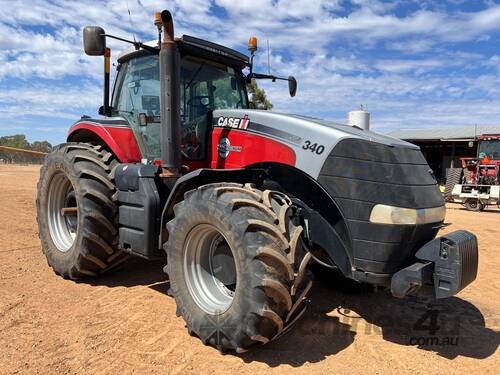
[(268, 60), (131, 23)]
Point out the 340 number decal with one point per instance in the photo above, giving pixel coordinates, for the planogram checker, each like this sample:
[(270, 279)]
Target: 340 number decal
[(313, 147)]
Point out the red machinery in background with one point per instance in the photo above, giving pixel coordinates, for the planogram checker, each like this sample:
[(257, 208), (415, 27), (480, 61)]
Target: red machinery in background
[(485, 169), (477, 184)]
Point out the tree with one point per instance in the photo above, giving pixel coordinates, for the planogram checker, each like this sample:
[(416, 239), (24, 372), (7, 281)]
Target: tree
[(17, 141), (258, 96), (42, 146)]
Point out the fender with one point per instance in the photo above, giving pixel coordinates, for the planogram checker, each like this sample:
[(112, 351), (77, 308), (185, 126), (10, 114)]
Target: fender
[(322, 211), (204, 176), (114, 133)]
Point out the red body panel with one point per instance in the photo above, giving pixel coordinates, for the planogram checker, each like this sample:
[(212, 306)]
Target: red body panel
[(255, 148), (120, 139), (481, 170)]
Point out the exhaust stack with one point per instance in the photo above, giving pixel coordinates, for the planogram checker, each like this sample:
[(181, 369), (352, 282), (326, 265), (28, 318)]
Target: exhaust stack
[(169, 61)]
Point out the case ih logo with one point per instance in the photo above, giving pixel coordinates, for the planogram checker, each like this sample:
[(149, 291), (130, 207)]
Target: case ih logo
[(225, 148), (233, 122)]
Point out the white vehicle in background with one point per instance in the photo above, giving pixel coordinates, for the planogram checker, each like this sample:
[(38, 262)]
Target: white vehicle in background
[(476, 197), (477, 184)]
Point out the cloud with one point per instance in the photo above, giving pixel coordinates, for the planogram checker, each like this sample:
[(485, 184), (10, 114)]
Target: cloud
[(411, 46), (59, 100), (412, 62)]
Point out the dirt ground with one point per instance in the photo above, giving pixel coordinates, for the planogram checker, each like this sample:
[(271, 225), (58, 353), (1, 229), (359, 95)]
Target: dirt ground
[(125, 323)]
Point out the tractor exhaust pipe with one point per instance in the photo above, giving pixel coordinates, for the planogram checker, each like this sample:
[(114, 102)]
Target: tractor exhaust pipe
[(169, 61)]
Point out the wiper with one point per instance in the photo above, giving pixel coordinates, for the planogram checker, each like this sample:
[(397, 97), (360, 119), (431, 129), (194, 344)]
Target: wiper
[(195, 75), (124, 111)]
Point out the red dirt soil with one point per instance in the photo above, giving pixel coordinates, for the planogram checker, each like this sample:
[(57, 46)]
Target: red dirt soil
[(125, 323)]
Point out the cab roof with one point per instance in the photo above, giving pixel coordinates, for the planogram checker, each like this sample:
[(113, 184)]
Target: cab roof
[(190, 45)]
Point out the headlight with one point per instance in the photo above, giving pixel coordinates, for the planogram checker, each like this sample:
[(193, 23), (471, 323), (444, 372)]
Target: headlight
[(382, 214)]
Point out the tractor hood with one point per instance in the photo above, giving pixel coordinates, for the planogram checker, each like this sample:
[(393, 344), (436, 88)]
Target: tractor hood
[(311, 139), (360, 170)]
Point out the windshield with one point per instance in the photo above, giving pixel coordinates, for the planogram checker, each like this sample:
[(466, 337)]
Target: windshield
[(204, 86), (490, 148), (210, 85)]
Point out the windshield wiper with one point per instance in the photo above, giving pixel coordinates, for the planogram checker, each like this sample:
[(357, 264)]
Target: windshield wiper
[(195, 75)]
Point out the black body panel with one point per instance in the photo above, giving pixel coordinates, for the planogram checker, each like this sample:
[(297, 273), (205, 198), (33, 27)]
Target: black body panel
[(359, 174), (139, 209)]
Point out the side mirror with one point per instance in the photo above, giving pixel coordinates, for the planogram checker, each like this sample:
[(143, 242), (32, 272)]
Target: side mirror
[(292, 86), (94, 41)]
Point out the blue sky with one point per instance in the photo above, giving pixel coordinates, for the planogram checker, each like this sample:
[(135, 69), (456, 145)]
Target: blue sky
[(413, 63)]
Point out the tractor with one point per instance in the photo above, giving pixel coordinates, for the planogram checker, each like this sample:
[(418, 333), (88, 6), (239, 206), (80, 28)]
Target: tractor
[(477, 184), (241, 202)]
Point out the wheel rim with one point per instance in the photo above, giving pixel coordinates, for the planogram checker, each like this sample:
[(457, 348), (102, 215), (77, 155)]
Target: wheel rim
[(473, 204), (210, 269), (62, 212)]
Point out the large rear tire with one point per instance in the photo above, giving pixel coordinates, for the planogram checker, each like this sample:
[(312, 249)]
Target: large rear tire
[(236, 264), (76, 214)]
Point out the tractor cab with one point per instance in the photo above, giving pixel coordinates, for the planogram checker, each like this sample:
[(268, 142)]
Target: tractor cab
[(210, 78), (489, 146), (485, 169)]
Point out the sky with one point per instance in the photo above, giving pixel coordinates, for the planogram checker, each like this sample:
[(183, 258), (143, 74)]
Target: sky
[(413, 63)]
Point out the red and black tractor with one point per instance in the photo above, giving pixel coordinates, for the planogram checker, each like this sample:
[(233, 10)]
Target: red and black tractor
[(241, 201)]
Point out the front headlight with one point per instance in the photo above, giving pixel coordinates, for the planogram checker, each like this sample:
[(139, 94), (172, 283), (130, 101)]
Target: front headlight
[(383, 214)]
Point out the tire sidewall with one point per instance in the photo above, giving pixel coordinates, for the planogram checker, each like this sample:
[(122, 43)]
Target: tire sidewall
[(57, 162), (207, 212), (474, 205)]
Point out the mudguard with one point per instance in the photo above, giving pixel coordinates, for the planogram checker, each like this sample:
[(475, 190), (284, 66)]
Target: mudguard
[(113, 132)]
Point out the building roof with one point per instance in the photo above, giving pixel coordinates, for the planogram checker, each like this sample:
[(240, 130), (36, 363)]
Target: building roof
[(449, 134)]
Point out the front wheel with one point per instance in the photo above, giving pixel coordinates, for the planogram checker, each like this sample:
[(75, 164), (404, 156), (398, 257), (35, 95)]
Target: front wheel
[(474, 204), (236, 265)]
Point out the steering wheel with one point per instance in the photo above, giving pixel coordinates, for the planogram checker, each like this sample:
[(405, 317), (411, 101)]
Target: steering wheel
[(197, 102), (191, 145), (191, 135)]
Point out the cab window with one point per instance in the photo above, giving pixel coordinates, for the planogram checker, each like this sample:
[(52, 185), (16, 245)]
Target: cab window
[(204, 86)]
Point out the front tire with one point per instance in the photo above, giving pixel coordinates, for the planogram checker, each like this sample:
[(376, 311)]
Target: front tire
[(474, 204), (236, 264), (76, 214)]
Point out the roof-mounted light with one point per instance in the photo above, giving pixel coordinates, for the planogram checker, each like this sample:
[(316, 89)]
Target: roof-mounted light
[(252, 44)]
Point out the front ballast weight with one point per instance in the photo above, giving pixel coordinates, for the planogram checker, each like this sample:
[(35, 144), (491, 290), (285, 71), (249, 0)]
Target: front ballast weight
[(446, 266)]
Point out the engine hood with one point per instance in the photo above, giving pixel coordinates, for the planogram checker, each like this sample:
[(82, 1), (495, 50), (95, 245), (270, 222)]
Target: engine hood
[(312, 139)]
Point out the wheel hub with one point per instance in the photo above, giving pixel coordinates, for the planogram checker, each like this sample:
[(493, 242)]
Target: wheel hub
[(62, 212), (210, 269)]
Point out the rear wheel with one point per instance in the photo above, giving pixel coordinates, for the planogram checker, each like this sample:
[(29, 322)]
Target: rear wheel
[(236, 265), (75, 211), (474, 205)]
